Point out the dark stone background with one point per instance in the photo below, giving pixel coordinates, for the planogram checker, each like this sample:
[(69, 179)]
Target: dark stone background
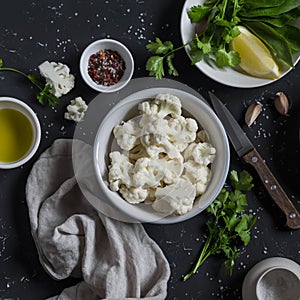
[(58, 30)]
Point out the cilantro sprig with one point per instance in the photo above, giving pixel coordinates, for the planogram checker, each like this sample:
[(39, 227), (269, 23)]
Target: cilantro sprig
[(44, 96), (164, 51), (229, 225), (270, 20)]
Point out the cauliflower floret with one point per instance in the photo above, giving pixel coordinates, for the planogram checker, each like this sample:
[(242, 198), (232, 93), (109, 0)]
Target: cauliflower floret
[(127, 134), (201, 153), (181, 132), (120, 171), (173, 169), (134, 195), (157, 145), (58, 76), (198, 175), (162, 106), (175, 198), (147, 172), (76, 110)]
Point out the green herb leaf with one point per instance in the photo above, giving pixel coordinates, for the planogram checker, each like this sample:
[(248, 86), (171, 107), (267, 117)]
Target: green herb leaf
[(155, 66), (198, 13), (171, 68), (46, 97), (227, 58), (158, 47), (229, 224), (1, 62)]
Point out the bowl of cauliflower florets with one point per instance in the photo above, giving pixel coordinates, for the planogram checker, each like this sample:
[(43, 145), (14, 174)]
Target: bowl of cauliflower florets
[(161, 155)]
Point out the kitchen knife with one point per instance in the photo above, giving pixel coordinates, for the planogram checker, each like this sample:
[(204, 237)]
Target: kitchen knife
[(247, 152)]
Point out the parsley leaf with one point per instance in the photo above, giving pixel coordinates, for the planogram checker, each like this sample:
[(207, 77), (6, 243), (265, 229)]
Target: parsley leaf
[(155, 66), (229, 225), (198, 13), (226, 58), (163, 51), (172, 69), (158, 47)]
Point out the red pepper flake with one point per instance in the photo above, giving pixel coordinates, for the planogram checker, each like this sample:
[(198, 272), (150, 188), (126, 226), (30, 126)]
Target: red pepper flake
[(106, 67)]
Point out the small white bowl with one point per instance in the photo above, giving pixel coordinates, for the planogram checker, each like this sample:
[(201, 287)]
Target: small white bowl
[(256, 280), (16, 104), (278, 283), (113, 45), (127, 109)]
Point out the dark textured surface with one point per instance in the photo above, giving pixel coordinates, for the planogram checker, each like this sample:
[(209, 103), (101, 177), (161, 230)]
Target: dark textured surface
[(35, 31)]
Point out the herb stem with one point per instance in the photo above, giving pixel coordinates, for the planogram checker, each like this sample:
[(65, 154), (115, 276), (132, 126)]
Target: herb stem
[(202, 258), (176, 49), (14, 70)]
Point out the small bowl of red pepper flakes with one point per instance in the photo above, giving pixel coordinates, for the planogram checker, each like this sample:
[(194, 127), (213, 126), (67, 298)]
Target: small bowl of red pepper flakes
[(106, 65)]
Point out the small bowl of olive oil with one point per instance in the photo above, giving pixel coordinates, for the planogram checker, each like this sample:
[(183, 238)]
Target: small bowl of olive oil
[(20, 133)]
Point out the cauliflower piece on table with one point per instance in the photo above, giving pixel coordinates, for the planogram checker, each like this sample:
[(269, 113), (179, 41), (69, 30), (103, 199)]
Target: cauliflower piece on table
[(202, 153), (58, 76), (175, 198), (76, 110), (162, 106), (127, 134)]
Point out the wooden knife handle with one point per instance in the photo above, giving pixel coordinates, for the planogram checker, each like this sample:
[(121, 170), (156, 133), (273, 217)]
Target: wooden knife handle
[(274, 189)]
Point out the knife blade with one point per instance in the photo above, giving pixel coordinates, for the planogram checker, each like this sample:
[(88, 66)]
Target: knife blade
[(248, 153)]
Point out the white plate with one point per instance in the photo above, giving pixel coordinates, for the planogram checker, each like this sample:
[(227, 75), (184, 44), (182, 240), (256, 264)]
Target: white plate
[(227, 76), (249, 283)]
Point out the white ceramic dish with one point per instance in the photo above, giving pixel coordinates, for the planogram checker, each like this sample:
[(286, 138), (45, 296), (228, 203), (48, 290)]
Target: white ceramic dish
[(114, 46), (278, 283), (250, 281), (16, 104), (227, 76), (126, 109)]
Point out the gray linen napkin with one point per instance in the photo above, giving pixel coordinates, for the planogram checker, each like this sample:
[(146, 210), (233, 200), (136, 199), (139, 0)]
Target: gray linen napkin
[(116, 260)]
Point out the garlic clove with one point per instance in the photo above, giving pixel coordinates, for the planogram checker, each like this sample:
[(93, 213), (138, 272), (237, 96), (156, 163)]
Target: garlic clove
[(252, 112), (281, 103)]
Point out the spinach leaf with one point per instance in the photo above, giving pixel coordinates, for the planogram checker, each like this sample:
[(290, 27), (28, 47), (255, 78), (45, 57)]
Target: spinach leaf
[(292, 35), (250, 4), (277, 21), (270, 11), (276, 42)]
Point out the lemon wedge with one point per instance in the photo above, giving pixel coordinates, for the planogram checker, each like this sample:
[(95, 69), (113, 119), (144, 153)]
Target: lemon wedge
[(256, 59)]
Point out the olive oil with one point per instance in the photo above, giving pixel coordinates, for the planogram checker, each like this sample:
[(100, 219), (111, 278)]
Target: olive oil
[(16, 135)]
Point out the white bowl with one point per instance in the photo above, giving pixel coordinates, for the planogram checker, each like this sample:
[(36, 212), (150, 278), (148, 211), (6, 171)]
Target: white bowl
[(227, 75), (253, 278), (127, 109), (278, 283), (15, 104), (114, 46)]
